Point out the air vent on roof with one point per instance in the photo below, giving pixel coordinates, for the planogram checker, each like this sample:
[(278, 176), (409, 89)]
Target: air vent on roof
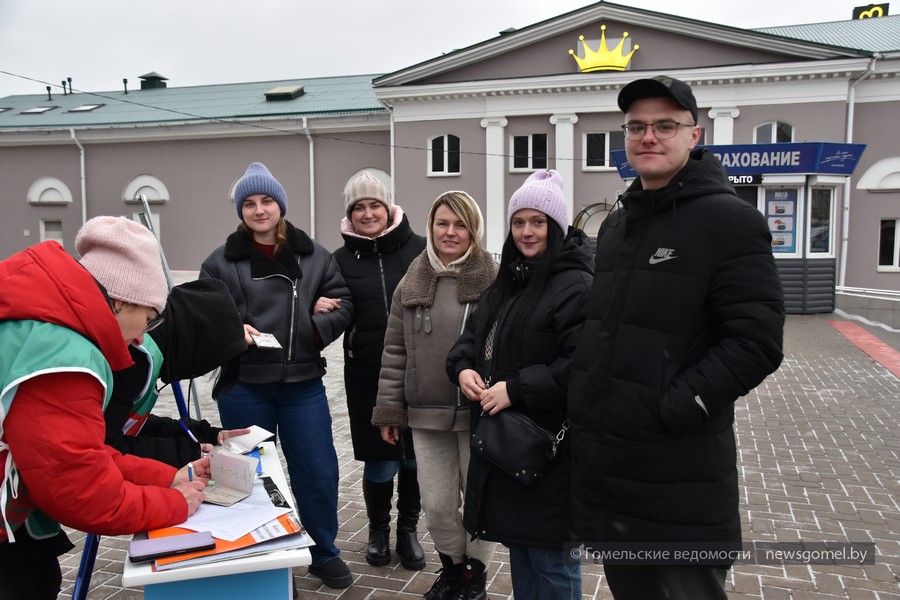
[(285, 92), (152, 81)]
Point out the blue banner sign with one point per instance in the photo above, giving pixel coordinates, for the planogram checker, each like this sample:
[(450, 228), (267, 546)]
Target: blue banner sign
[(824, 158)]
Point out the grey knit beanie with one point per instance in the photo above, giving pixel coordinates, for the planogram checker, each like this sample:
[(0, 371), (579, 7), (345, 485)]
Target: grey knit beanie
[(366, 187)]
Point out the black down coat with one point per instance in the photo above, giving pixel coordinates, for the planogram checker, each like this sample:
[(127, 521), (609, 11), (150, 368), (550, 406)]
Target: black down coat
[(685, 316), (532, 357), (372, 268), (201, 330)]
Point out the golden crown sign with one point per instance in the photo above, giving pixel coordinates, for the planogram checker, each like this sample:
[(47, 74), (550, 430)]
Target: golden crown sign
[(603, 59)]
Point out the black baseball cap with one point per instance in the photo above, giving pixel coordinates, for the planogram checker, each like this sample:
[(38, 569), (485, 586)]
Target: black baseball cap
[(657, 87)]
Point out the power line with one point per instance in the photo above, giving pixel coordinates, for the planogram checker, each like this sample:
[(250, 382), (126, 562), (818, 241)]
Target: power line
[(203, 118)]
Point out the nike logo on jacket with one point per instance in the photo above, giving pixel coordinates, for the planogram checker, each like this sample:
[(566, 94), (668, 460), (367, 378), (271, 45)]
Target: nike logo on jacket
[(662, 255)]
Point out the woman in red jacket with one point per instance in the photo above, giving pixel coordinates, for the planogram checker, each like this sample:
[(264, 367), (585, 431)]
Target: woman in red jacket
[(64, 328)]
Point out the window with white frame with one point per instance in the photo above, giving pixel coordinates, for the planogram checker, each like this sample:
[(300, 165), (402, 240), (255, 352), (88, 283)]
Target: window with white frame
[(51, 230), (821, 221), (889, 245), (443, 155), (773, 132), (598, 146), (529, 152)]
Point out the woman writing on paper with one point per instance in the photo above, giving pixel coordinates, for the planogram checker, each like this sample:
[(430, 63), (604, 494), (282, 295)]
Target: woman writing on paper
[(64, 327), (513, 356)]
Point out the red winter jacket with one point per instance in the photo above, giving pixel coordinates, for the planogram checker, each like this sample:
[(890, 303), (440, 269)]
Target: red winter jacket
[(55, 427)]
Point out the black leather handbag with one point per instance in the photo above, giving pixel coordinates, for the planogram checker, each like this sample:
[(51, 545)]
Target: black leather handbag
[(515, 444)]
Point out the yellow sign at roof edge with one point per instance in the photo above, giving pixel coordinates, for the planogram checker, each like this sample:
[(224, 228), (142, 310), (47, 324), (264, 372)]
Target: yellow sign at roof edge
[(603, 59)]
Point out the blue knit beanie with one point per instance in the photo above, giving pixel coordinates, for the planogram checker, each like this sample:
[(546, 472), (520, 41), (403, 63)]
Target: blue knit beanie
[(258, 180)]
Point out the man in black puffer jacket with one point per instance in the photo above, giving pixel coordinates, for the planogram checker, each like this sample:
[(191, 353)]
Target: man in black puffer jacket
[(686, 315)]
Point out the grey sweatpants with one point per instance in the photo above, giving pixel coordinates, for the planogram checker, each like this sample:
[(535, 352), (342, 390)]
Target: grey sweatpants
[(442, 459)]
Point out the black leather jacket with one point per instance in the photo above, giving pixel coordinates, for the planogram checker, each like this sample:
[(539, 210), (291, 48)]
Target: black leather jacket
[(276, 295)]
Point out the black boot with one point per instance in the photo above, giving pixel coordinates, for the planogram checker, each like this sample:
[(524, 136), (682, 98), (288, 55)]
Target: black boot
[(472, 581), (445, 584), (378, 509), (408, 506)]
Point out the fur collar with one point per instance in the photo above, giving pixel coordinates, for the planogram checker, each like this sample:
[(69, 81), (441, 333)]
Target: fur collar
[(420, 282), (239, 247)]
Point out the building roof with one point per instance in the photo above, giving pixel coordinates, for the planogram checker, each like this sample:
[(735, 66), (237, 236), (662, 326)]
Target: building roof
[(881, 34), (511, 40), (321, 96)]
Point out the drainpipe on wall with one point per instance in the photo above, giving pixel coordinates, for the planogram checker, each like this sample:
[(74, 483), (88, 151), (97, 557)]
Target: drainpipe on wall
[(312, 181), (845, 208), (83, 180), (393, 156)]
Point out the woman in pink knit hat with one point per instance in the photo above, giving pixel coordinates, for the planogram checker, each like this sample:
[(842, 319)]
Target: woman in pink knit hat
[(64, 328), (513, 356)]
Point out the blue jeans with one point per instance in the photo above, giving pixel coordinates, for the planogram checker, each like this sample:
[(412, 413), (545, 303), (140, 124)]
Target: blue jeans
[(544, 573), (298, 413), (382, 471)]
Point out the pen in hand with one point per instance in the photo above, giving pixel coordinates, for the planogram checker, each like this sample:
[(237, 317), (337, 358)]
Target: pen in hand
[(190, 467), (188, 431)]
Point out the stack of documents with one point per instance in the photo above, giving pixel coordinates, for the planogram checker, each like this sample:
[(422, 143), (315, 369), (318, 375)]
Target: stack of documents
[(260, 523)]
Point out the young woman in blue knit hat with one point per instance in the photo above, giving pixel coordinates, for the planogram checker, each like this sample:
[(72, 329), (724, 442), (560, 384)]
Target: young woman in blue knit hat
[(287, 285)]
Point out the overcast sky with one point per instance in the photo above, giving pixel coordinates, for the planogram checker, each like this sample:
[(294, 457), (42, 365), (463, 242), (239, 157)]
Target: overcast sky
[(197, 42)]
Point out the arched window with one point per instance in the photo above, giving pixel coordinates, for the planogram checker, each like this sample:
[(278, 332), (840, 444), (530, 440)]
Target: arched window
[(883, 176), (773, 132), (443, 155), (49, 190), (152, 188)]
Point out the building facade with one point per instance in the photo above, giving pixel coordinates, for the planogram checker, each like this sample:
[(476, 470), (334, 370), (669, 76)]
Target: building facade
[(481, 119)]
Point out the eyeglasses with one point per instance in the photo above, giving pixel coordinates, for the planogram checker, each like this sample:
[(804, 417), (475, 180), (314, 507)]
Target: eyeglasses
[(153, 323), (662, 130)]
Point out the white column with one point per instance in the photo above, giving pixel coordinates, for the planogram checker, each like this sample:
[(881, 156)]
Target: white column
[(565, 155), (723, 124), (495, 171)]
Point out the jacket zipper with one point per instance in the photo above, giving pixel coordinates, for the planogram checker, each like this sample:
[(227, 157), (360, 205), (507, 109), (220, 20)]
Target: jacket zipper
[(293, 284), (462, 327), (384, 291)]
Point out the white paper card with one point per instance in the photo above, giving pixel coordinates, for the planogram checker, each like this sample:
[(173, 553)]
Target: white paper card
[(266, 340), (241, 444)]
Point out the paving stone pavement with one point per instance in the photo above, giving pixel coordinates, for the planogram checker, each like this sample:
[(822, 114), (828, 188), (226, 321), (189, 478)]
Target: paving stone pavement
[(819, 460)]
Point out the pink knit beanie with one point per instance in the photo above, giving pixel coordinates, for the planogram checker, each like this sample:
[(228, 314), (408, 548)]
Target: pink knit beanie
[(542, 191), (124, 256)]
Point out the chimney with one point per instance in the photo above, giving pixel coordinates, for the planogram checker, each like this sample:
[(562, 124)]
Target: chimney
[(153, 81), (125, 83)]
